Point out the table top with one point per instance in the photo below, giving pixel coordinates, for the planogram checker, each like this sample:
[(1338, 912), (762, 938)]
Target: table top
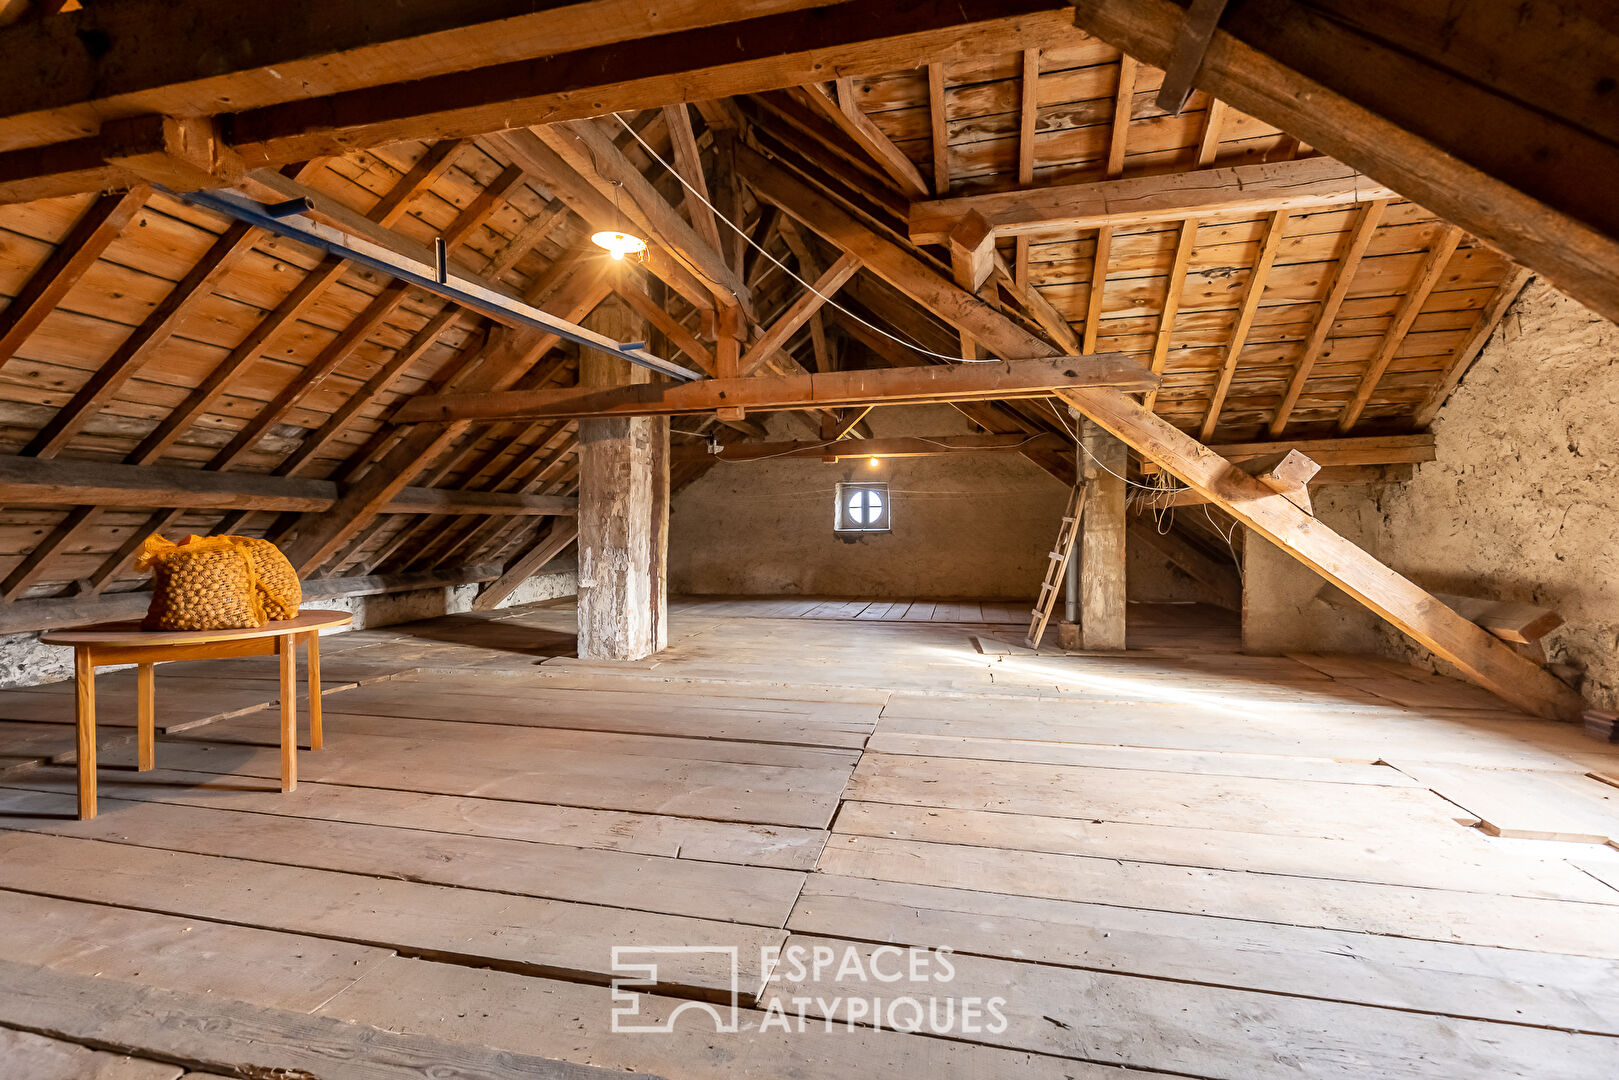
[(129, 632)]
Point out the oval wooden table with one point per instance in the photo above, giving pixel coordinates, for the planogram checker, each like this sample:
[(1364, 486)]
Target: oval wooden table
[(106, 644)]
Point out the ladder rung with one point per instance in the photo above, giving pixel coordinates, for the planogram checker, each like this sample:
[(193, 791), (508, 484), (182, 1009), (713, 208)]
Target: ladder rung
[(1047, 585), (1055, 556)]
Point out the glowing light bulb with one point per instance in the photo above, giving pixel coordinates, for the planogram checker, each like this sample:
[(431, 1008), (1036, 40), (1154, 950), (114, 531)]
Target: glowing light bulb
[(873, 463), (618, 244)]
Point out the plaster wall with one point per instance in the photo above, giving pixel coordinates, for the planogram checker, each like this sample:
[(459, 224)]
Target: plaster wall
[(965, 526), (1522, 502)]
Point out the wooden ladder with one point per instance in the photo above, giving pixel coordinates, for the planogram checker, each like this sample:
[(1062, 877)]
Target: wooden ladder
[(1067, 535)]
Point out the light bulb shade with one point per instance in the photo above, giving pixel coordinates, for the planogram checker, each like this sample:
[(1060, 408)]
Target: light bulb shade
[(618, 244)]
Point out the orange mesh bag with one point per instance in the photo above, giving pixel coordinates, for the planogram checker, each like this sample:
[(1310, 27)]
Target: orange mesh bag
[(201, 583), (279, 589)]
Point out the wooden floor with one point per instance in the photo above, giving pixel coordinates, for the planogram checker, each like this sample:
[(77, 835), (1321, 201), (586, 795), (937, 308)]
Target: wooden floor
[(1179, 860)]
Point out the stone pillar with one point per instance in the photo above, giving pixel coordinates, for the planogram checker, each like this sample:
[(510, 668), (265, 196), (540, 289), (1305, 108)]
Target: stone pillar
[(1101, 540), (623, 508)]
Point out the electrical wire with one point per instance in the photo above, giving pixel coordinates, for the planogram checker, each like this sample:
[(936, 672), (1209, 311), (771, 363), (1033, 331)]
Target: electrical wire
[(783, 266)]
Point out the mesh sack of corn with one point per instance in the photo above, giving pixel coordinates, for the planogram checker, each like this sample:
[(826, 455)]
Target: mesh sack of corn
[(277, 582), (201, 583)]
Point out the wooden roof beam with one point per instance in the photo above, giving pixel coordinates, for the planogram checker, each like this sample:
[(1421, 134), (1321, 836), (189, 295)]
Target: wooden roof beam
[(1255, 457), (1252, 294), (907, 446), (62, 269), (1262, 188), (1433, 268), (1479, 656), (1511, 155), (845, 114), (890, 386), (1343, 275), (1477, 337), (797, 314), (587, 148), (27, 481)]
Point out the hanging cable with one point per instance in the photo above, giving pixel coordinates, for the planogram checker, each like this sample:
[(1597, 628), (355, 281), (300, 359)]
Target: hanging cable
[(783, 266)]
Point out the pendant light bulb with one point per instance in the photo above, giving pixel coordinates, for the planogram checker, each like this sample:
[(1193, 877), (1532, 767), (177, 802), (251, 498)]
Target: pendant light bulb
[(618, 244)]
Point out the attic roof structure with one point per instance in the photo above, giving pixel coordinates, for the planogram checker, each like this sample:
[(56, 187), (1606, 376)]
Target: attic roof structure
[(1210, 273)]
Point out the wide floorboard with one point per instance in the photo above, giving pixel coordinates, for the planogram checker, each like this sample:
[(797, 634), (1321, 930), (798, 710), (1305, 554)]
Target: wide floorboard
[(813, 838)]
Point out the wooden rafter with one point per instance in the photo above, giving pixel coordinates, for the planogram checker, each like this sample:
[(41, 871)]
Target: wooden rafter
[(588, 149), (844, 112), (156, 329), (689, 162), (1252, 294), (1174, 286), (1474, 652), (1028, 114), (598, 210), (1433, 268), (1366, 223), (1326, 80), (62, 269), (797, 314), (1239, 189), (958, 382), (1480, 333)]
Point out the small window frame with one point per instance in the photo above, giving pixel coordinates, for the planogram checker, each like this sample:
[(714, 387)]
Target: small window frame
[(844, 520)]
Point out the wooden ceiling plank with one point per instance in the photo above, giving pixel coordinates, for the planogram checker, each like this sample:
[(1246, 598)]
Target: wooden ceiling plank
[(1309, 183), (1366, 223), (1327, 82), (377, 385), (1482, 330), (1480, 657), (1433, 268), (153, 331), (72, 258), (1039, 308), (1255, 291)]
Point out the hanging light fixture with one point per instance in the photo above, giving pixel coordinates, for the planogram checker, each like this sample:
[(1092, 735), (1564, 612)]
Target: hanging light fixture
[(616, 242), (873, 463)]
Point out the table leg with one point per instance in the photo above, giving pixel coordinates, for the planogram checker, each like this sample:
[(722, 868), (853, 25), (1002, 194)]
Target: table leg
[(287, 646), (313, 660), (84, 677), (146, 716)]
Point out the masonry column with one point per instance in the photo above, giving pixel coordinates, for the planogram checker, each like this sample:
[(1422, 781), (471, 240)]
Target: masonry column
[(1101, 539), (623, 508)]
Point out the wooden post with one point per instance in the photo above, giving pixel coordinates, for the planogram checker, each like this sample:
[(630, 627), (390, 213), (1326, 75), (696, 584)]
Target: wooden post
[(623, 509), (1101, 557)]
